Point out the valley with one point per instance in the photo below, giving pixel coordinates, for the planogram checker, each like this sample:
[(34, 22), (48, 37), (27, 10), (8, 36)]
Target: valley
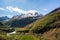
[(32, 28)]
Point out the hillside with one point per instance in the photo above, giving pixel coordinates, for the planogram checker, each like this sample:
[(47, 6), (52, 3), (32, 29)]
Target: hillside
[(2, 25), (53, 34), (49, 21)]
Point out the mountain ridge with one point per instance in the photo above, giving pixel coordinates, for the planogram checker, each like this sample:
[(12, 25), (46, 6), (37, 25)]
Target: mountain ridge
[(21, 20)]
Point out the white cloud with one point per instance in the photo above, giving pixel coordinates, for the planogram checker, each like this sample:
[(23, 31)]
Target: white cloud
[(45, 9), (15, 9), (18, 10), (2, 8)]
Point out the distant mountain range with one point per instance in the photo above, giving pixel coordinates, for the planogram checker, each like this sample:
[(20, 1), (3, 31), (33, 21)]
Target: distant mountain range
[(23, 19), (4, 18)]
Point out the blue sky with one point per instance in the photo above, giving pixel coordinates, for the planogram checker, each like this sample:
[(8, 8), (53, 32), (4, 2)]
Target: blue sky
[(8, 7)]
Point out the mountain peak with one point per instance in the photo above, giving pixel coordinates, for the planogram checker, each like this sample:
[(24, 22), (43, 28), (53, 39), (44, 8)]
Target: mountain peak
[(30, 14)]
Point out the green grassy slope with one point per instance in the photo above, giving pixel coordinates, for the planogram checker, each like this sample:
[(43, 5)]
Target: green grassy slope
[(51, 20)]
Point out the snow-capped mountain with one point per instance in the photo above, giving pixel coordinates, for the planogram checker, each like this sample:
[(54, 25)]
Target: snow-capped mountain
[(29, 14), (23, 19)]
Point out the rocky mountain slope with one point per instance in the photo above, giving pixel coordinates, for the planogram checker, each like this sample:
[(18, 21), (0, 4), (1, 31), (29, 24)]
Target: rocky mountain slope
[(23, 19)]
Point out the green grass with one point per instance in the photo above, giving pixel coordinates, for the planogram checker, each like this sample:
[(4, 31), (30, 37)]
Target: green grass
[(48, 20), (28, 37), (18, 37)]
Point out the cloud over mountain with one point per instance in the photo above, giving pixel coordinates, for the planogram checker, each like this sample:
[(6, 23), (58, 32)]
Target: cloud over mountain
[(20, 11), (15, 9)]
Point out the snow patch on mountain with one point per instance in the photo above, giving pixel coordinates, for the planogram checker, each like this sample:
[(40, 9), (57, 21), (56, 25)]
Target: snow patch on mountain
[(28, 14)]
